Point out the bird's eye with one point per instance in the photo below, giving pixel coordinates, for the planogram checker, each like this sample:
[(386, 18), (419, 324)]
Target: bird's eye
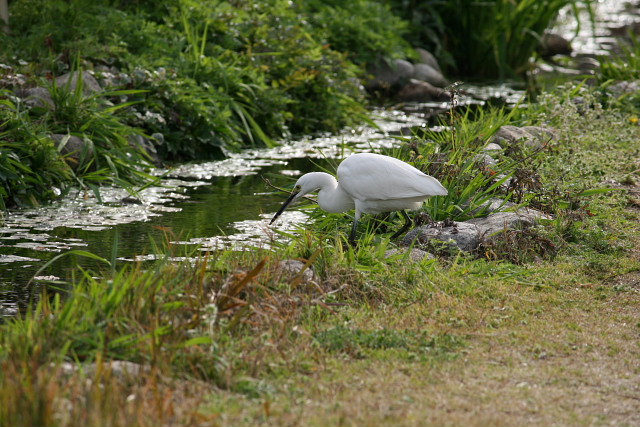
[(297, 188)]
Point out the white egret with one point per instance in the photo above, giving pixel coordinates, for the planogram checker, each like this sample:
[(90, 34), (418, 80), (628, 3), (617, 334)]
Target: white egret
[(370, 183)]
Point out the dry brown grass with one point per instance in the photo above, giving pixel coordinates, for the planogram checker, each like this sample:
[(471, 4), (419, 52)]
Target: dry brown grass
[(575, 363)]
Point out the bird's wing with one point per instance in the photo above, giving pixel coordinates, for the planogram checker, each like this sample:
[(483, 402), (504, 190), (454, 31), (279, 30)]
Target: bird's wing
[(367, 176)]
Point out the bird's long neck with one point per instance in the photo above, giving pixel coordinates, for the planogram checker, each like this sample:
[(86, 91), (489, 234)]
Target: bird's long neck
[(331, 197)]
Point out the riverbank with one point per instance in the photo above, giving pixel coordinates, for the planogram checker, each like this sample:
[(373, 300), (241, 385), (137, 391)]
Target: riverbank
[(240, 339)]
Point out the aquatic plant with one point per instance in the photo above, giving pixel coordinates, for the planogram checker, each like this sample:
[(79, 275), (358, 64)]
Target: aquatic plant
[(621, 66), (618, 76)]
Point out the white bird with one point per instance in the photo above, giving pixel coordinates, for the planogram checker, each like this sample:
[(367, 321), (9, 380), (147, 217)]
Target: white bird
[(370, 183)]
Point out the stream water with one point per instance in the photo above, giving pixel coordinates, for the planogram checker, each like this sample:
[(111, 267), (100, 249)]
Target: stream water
[(215, 204)]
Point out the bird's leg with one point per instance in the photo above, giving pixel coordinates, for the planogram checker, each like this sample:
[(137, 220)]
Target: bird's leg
[(381, 222), (407, 224), (352, 235)]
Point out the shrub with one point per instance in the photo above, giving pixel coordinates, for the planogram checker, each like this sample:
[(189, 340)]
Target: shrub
[(30, 166), (365, 30), (218, 75)]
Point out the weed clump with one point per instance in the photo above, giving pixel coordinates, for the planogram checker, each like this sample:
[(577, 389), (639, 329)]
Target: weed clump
[(518, 246)]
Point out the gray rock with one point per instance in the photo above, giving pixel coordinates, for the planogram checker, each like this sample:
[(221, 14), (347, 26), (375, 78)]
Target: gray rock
[(74, 149), (89, 84), (543, 134), (404, 69), (292, 268), (485, 159), (492, 146), (493, 205), (500, 221), (588, 65), (139, 141), (554, 44), (415, 255), (101, 68), (419, 91), (109, 79), (427, 57), (428, 74), (385, 76), (507, 135), (459, 236), (531, 136), (38, 97), (158, 137), (121, 369), (623, 88)]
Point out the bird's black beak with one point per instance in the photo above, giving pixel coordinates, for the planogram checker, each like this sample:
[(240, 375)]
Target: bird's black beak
[(284, 206)]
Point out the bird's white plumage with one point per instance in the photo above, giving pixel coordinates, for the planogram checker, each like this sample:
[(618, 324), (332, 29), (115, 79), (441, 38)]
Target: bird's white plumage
[(372, 177), (370, 183)]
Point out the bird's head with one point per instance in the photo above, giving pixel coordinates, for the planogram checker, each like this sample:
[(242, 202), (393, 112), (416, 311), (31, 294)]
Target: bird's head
[(307, 183)]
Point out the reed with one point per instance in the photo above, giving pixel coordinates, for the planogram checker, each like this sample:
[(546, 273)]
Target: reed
[(485, 39)]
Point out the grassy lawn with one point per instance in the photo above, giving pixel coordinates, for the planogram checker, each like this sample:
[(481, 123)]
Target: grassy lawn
[(560, 356), (496, 352)]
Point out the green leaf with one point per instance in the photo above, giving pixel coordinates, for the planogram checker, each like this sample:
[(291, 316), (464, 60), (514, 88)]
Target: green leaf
[(197, 341), (596, 191)]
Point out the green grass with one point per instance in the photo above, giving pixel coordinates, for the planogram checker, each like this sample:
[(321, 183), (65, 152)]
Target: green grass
[(404, 345), (467, 339), (622, 66)]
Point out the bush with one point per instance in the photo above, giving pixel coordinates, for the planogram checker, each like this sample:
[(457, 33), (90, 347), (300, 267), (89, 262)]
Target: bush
[(30, 167), (365, 30), (214, 76), (220, 75)]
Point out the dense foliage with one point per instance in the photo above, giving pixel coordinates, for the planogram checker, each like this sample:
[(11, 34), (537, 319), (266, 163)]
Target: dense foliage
[(196, 79), (209, 77)]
